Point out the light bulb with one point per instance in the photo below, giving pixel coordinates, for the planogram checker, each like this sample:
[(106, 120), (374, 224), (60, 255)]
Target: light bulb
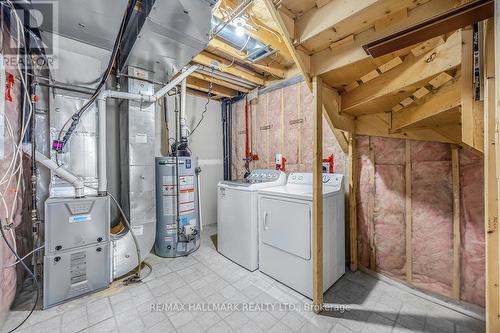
[(240, 31)]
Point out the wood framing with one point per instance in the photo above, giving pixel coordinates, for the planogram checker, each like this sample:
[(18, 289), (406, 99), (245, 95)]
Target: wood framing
[(472, 111), (408, 211), (455, 170), (330, 60), (353, 220), (274, 70), (317, 210), (383, 92), (303, 63), (446, 98), (198, 84), (224, 65), (491, 176)]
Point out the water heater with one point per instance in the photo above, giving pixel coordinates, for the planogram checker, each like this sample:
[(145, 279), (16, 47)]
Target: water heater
[(177, 206)]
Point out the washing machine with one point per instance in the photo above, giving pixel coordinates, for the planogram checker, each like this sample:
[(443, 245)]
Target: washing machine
[(237, 222), (285, 231)]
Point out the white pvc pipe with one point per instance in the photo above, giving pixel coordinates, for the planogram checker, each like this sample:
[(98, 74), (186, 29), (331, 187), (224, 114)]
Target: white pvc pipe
[(175, 82), (102, 187), (184, 132), (58, 170)]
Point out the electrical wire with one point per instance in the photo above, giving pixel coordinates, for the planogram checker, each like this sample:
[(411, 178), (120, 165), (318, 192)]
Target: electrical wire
[(26, 256), (15, 168), (205, 108), (30, 273)]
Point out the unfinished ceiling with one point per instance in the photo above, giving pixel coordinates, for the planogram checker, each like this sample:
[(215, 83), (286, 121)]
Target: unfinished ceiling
[(387, 86)]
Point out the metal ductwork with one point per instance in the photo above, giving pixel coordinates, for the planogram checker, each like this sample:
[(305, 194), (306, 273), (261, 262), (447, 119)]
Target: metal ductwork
[(165, 35)]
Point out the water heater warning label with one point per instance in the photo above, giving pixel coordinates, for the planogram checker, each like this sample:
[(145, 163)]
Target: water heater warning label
[(186, 194)]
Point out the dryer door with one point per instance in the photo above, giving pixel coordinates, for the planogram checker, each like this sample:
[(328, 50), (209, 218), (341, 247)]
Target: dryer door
[(286, 225)]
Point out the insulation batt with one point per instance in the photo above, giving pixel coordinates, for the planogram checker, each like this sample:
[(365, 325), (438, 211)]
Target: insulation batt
[(389, 206), (432, 221), (12, 276), (472, 233), (281, 123), (432, 214)]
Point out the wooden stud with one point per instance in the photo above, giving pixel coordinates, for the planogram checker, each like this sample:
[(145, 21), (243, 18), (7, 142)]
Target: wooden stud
[(352, 86), (455, 163), (321, 3), (408, 212), (385, 21), (353, 227), (397, 107), (491, 176), (407, 101), (342, 42), (441, 79), (491, 213), (370, 76), (390, 64), (371, 208), (472, 111), (317, 222), (444, 99), (421, 92), (372, 97), (427, 46)]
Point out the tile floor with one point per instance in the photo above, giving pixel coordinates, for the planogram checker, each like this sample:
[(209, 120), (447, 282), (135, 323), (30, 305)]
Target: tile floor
[(207, 278)]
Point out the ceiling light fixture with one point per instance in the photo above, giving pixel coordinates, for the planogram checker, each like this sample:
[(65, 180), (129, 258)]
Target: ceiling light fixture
[(240, 24)]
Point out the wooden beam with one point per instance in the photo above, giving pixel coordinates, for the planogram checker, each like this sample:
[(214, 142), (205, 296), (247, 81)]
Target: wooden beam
[(303, 63), (198, 84), (491, 213), (491, 176), (224, 65), (338, 19), (330, 60), (228, 50), (456, 18), (472, 111), (408, 212), (444, 99), (301, 59), (455, 163), (353, 219), (383, 92), (378, 124), (219, 82), (317, 210)]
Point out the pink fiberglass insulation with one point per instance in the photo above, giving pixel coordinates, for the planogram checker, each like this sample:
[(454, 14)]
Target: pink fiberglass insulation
[(291, 125), (362, 196), (275, 120), (9, 275), (432, 217), (306, 100), (472, 259), (389, 206), (281, 123), (238, 140), (262, 133)]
